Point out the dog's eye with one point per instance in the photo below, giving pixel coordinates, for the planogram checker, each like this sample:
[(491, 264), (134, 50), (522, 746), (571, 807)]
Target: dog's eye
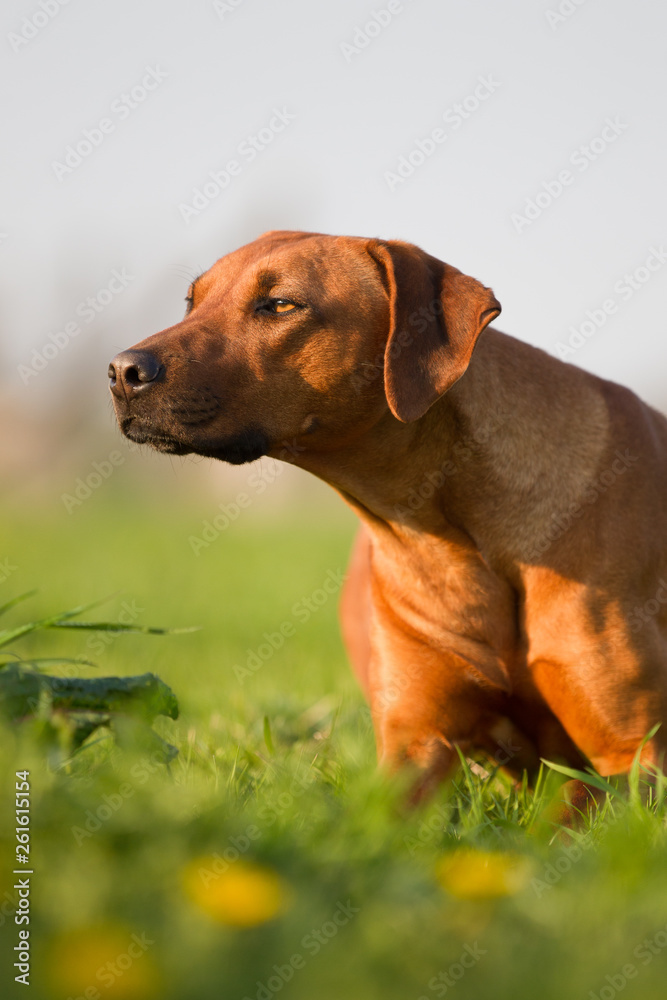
[(189, 299), (274, 306)]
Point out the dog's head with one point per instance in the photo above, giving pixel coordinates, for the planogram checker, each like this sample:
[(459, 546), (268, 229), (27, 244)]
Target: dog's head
[(301, 340)]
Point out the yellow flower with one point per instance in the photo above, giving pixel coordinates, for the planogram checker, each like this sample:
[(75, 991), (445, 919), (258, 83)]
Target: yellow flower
[(108, 959), (240, 894), (470, 874)]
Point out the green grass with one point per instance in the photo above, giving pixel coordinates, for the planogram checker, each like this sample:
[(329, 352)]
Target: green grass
[(278, 767)]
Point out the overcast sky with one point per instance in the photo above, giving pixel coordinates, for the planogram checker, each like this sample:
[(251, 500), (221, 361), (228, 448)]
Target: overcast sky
[(115, 113)]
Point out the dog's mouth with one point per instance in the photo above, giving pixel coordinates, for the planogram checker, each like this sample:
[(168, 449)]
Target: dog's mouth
[(141, 434), (237, 449)]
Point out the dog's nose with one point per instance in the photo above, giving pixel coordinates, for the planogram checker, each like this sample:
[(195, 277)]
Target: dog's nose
[(132, 371)]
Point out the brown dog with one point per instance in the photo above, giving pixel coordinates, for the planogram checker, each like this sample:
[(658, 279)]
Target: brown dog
[(506, 590)]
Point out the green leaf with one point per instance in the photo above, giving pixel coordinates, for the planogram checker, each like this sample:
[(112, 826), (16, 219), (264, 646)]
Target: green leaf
[(146, 695)]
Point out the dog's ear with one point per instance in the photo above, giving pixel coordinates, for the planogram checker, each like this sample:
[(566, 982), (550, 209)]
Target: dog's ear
[(436, 316)]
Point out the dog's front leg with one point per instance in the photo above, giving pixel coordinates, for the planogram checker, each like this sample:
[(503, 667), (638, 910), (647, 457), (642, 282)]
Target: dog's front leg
[(424, 705)]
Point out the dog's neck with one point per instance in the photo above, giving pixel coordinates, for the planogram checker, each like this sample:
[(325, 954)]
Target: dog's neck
[(482, 454), (400, 475), (393, 463), (378, 471)]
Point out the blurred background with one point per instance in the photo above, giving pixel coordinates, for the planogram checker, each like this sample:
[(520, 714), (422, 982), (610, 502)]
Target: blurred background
[(116, 116), (522, 142)]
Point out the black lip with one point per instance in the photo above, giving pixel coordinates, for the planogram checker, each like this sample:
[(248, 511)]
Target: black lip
[(146, 435), (247, 446)]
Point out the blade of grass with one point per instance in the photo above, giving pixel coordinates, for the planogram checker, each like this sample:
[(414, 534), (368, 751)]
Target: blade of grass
[(120, 627), (268, 739), (634, 775), (589, 778), (535, 804), (8, 635), (16, 600), (6, 659), (476, 812)]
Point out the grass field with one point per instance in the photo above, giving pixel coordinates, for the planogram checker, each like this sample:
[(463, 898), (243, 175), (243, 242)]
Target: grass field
[(269, 858)]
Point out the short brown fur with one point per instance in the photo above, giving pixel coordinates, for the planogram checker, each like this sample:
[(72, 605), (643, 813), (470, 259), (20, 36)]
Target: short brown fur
[(506, 589)]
